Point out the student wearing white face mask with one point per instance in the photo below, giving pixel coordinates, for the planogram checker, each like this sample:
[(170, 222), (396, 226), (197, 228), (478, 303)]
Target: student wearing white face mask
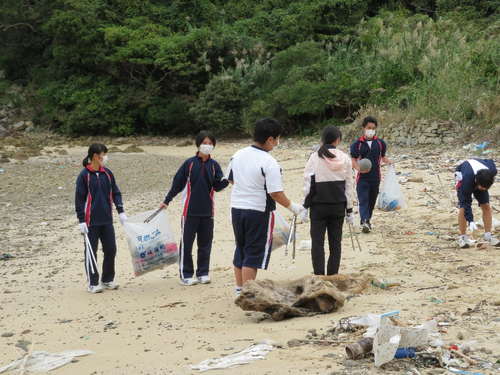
[(368, 146), (96, 192), (197, 178)]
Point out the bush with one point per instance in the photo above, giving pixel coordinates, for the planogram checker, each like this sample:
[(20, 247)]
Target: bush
[(219, 107), (92, 105), (167, 115)]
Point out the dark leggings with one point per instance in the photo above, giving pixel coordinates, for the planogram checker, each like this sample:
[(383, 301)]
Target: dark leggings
[(326, 217)]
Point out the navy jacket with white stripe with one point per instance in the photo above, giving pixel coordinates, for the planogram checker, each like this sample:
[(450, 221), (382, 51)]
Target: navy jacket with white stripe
[(95, 193), (197, 180)]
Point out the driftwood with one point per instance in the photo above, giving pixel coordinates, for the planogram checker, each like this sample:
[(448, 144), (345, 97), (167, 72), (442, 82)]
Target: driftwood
[(299, 297), (468, 359), (22, 368)]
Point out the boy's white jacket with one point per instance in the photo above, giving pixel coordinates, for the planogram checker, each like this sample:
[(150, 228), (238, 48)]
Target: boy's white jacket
[(328, 180)]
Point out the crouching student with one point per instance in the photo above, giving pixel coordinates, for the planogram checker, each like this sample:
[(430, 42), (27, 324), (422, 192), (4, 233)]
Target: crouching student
[(328, 194), (197, 178), (257, 186), (474, 178), (96, 192)]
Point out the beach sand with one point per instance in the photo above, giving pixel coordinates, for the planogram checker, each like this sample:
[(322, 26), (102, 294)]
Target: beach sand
[(153, 325)]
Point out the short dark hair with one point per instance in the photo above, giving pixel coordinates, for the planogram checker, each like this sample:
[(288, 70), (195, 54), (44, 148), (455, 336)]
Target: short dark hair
[(329, 135), (95, 148), (484, 178), (265, 128), (368, 119), (201, 137)]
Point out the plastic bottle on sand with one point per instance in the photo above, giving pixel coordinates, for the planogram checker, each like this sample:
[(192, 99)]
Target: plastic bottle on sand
[(404, 353), (386, 283)]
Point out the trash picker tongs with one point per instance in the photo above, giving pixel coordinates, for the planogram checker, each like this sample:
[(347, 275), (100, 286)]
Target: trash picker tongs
[(356, 235), (153, 215), (293, 230), (91, 262)]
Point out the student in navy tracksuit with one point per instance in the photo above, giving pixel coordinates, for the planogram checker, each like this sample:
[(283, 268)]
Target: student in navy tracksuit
[(368, 182), (96, 192), (474, 177), (197, 179)]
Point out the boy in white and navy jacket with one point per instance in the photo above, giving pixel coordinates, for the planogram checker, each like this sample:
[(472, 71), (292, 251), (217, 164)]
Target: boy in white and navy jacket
[(474, 178)]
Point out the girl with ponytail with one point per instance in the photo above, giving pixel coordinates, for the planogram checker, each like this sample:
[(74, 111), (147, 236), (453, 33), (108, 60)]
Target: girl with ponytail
[(96, 192), (328, 197)]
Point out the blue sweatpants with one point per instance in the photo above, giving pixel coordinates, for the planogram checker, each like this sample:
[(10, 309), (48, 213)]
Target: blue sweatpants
[(105, 233), (201, 227), (253, 237), (367, 191)]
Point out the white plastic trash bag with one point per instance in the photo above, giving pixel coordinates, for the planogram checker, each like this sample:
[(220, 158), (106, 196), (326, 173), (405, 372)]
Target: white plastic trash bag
[(249, 355), (281, 231), (152, 244), (391, 198), (41, 361)]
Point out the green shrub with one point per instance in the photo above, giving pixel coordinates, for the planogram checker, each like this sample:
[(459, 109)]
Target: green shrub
[(167, 115), (219, 107), (92, 105)]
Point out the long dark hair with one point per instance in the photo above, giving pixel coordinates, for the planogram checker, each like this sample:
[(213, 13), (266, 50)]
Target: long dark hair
[(329, 135), (95, 148)]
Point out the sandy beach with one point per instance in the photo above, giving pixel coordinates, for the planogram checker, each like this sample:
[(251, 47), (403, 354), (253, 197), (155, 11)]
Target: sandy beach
[(153, 325)]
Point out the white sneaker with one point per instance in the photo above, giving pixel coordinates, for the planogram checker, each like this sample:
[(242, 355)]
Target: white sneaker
[(95, 289), (237, 293), (189, 281), (365, 228), (464, 243), (493, 241), (110, 285), (205, 279)]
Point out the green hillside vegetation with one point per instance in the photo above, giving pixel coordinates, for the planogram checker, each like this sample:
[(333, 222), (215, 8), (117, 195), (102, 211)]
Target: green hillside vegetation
[(168, 67)]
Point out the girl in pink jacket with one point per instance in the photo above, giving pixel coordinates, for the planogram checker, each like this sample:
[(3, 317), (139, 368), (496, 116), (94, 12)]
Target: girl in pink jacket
[(328, 196)]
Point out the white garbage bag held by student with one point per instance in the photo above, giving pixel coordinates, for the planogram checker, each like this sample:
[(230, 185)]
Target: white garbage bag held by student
[(391, 197), (152, 244)]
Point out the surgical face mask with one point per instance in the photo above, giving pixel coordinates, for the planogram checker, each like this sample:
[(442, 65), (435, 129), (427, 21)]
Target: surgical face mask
[(277, 144), (104, 160), (369, 133), (206, 149)]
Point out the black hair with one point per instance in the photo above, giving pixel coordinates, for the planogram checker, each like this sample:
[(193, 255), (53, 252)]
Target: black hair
[(329, 135), (368, 119), (265, 128), (95, 148), (484, 178), (201, 137)]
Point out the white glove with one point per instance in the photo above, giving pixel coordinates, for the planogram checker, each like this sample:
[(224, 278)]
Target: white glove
[(472, 226), (349, 218), (82, 227), (304, 218), (295, 208), (123, 218)]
